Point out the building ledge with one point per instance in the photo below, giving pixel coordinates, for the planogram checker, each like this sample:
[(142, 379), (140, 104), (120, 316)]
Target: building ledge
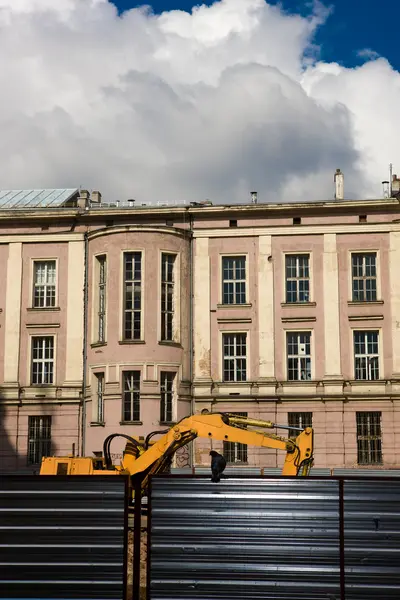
[(295, 304), (170, 343), (359, 303), (366, 317), (298, 319), (43, 309), (42, 325), (97, 424), (131, 422), (98, 344), (234, 320), (130, 342), (233, 306)]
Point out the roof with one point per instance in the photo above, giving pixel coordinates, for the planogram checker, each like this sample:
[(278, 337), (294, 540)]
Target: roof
[(35, 198)]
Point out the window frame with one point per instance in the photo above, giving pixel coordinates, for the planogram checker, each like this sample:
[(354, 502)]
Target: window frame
[(364, 253), (297, 254), (45, 442), (170, 377), (238, 254), (223, 258), (369, 451), (297, 331), (96, 297), (236, 447), (132, 392), (123, 311), (302, 417), (235, 357), (367, 330), (175, 298), (100, 379), (34, 262), (32, 361), (352, 251)]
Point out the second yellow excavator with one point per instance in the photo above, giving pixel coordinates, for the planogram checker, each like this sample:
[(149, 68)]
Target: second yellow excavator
[(142, 459)]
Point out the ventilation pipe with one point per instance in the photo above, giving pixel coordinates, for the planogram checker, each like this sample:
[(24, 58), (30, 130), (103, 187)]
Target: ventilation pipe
[(339, 185)]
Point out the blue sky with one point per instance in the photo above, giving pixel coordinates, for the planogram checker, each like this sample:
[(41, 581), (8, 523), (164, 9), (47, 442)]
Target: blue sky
[(353, 25)]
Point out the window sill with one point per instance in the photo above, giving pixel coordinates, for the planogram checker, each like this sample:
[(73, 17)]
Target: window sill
[(97, 424), (130, 342), (43, 309), (167, 423), (245, 305), (168, 343), (289, 304), (42, 385), (131, 422), (98, 344), (364, 303)]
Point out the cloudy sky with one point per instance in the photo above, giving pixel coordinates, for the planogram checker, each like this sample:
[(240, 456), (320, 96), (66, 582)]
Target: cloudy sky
[(204, 103)]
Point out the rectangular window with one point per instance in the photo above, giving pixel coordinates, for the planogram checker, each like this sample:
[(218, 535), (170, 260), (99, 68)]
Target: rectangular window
[(299, 421), (298, 356), (167, 296), (42, 360), (369, 438), (297, 269), (102, 290), (234, 356), (44, 287), (100, 397), (39, 439), (167, 396), (132, 295), (234, 280), (366, 355), (364, 277), (131, 396), (235, 452)]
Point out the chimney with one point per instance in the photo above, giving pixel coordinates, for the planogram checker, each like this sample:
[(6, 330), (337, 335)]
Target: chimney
[(83, 200), (96, 197), (339, 185), (253, 197), (395, 186)]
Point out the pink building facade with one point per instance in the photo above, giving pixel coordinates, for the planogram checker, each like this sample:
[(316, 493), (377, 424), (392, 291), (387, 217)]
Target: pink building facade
[(117, 318)]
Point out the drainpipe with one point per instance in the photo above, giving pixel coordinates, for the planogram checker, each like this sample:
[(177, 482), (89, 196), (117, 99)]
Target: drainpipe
[(84, 349), (191, 336)]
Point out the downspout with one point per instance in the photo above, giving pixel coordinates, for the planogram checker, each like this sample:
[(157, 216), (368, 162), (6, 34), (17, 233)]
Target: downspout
[(191, 335), (84, 349)]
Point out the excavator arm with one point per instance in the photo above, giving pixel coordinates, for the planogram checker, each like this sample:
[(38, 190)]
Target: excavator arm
[(220, 427)]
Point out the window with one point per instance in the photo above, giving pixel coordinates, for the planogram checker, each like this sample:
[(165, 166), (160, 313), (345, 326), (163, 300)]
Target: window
[(297, 278), (296, 220), (299, 356), (39, 439), (366, 355), (369, 438), (364, 277), (99, 397), (44, 288), (132, 295), (234, 280), (298, 420), (235, 452), (233, 223), (42, 360), (167, 296), (131, 396), (234, 356), (102, 290), (167, 396)]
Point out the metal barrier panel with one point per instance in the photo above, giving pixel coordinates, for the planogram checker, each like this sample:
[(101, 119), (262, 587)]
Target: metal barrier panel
[(244, 539), (372, 539), (63, 537)]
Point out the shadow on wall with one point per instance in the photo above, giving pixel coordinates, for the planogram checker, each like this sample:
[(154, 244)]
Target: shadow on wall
[(8, 454)]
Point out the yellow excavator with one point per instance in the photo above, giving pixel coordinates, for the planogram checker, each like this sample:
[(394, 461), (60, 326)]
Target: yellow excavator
[(141, 459)]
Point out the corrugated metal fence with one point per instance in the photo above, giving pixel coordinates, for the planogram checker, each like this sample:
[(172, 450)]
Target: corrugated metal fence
[(274, 538), (63, 537)]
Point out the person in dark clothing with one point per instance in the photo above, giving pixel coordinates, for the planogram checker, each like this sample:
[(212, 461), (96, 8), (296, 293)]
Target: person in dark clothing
[(218, 464)]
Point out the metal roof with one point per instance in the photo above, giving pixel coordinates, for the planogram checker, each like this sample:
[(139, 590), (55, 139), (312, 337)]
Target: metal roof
[(35, 198)]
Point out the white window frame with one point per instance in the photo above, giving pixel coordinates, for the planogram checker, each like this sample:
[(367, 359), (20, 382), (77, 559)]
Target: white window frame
[(367, 330), (132, 391), (364, 253), (299, 253), (350, 272), (237, 447), (234, 281), (96, 338), (300, 424), (143, 298), (175, 297), (240, 254), (167, 375), (43, 361), (235, 357), (299, 356), (34, 263), (99, 379)]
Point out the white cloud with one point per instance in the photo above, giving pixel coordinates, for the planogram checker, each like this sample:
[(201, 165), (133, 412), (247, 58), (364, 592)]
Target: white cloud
[(181, 106)]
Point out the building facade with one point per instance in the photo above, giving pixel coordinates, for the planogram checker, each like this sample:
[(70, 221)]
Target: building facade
[(126, 318)]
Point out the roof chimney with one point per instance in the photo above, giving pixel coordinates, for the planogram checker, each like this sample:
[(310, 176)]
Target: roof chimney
[(83, 199), (339, 185), (253, 197), (96, 197), (395, 186)]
